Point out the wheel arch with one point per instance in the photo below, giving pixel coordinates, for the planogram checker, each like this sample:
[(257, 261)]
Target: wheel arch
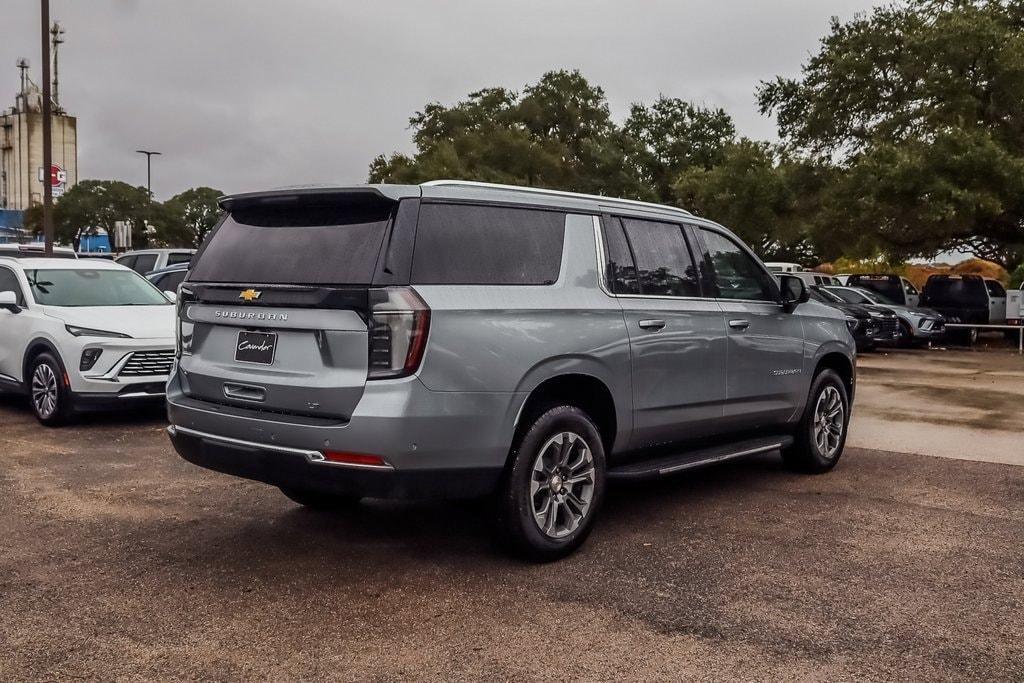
[(843, 366), (585, 391), (35, 347)]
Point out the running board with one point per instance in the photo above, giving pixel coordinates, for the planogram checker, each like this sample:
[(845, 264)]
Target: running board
[(657, 467)]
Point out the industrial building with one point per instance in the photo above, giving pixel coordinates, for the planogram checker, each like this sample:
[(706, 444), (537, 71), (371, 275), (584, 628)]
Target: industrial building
[(21, 148)]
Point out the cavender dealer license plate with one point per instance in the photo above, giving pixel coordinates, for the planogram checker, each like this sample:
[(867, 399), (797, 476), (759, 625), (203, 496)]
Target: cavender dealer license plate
[(256, 347)]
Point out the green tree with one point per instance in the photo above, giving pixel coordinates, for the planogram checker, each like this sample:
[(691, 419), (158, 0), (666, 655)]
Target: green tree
[(557, 133), (920, 105), (674, 137), (94, 204), (768, 200), (185, 219)]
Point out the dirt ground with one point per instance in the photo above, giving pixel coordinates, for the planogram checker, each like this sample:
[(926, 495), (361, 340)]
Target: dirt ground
[(118, 560), (945, 402)]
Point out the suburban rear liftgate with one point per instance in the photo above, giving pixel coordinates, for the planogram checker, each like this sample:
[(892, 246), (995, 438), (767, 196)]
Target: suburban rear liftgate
[(277, 313)]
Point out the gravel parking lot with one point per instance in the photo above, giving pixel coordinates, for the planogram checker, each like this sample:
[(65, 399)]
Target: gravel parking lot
[(119, 560)]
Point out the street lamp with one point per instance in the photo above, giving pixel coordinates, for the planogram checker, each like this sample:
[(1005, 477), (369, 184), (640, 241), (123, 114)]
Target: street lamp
[(149, 171)]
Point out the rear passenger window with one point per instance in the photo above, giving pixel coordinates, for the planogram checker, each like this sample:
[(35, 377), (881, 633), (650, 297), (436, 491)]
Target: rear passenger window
[(663, 261), (145, 263), (621, 271), (487, 245), (737, 275)]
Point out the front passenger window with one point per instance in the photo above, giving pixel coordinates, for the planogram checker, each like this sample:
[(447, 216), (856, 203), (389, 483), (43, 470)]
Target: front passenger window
[(736, 274)]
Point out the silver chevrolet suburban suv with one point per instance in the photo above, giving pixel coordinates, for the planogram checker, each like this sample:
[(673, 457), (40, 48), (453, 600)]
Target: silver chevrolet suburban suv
[(461, 339)]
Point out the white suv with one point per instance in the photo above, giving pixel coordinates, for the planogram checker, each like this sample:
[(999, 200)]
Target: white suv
[(80, 334)]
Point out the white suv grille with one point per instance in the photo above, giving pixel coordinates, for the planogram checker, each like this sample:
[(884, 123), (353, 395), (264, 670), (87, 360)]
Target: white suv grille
[(144, 363)]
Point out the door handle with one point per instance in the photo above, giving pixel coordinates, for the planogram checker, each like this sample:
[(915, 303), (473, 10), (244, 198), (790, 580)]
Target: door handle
[(739, 324), (652, 324)]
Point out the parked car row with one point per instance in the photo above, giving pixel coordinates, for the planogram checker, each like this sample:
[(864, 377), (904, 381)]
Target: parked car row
[(921, 316)]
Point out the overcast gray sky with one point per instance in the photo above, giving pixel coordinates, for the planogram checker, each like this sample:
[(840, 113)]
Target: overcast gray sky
[(247, 95)]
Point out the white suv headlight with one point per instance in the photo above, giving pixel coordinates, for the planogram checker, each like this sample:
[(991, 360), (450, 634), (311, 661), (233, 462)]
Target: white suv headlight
[(77, 331)]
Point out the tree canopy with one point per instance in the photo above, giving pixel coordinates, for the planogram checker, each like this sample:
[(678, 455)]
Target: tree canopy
[(920, 104), (185, 219), (96, 204), (181, 221)]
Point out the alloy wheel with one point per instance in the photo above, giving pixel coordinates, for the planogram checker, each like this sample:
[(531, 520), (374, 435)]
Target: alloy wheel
[(829, 421), (44, 390), (562, 484)]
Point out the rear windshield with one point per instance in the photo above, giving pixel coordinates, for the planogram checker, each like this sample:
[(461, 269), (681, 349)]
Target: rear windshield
[(955, 292), (311, 244), (888, 286)]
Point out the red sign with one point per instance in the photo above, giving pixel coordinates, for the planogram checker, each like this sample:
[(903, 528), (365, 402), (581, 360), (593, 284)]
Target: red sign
[(57, 176)]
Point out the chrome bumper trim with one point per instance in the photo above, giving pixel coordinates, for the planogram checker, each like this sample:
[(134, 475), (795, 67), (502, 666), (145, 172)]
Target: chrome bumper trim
[(313, 457)]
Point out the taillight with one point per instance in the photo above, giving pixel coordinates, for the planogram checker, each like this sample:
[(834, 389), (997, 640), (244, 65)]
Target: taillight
[(398, 325), (184, 328)]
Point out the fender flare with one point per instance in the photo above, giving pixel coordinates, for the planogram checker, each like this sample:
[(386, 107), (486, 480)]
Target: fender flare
[(34, 348)]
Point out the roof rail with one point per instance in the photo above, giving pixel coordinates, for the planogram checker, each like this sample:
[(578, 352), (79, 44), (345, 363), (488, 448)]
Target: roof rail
[(555, 193)]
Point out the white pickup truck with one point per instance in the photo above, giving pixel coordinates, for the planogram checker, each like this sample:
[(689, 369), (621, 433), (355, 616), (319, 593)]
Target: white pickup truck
[(1015, 306)]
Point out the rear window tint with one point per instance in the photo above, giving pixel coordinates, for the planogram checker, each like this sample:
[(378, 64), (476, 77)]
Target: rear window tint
[(145, 263), (956, 292), (891, 287), (317, 244), (178, 257), (487, 245), (663, 259)]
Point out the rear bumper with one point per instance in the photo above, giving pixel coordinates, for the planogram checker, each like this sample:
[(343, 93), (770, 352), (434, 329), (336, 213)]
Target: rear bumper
[(436, 444), (295, 468)]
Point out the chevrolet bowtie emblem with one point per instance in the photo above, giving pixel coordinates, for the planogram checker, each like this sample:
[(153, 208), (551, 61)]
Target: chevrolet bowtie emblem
[(249, 294)]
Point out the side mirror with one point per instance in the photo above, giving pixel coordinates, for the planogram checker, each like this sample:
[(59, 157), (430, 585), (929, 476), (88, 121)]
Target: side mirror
[(794, 291), (9, 300), (171, 296)]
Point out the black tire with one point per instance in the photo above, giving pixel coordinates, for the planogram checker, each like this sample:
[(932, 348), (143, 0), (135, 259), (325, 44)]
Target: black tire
[(966, 337), (906, 335), (806, 455), (518, 527), (44, 368), (320, 501)]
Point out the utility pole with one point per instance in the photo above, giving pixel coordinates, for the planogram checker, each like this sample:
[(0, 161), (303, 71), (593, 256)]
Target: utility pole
[(47, 134), (56, 32), (149, 178)]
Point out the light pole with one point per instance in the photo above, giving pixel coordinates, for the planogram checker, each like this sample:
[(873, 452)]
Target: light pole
[(149, 177), (47, 134)]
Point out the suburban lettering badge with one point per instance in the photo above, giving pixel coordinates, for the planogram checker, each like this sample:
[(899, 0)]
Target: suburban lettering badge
[(250, 315)]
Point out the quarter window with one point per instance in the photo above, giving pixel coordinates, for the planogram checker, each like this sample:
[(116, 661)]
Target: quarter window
[(663, 262), (736, 274), (459, 244)]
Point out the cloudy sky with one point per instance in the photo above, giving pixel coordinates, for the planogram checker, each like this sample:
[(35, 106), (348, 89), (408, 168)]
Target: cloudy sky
[(247, 95)]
